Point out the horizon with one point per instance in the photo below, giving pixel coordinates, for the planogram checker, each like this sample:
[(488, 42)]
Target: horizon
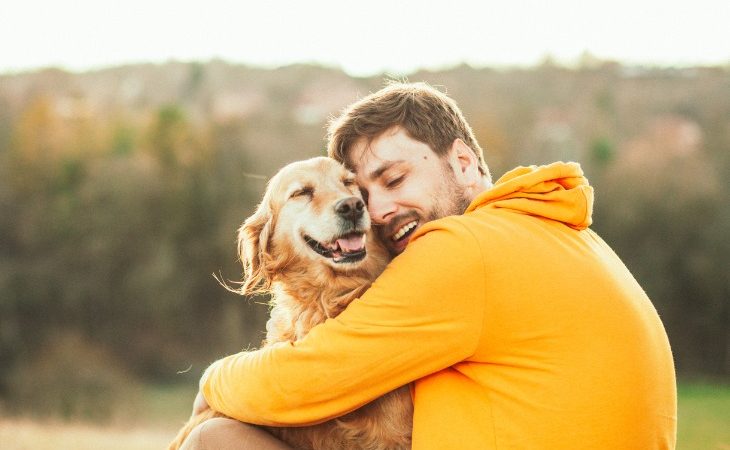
[(590, 61)]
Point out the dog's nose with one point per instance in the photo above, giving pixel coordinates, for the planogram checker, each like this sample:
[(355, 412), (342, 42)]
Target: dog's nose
[(350, 208)]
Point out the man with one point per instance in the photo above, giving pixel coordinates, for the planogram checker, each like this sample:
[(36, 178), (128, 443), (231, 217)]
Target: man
[(518, 326)]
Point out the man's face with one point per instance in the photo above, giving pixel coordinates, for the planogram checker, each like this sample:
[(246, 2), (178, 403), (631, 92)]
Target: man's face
[(405, 185)]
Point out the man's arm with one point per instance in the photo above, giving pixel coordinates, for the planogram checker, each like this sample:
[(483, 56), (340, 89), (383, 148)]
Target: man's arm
[(423, 314)]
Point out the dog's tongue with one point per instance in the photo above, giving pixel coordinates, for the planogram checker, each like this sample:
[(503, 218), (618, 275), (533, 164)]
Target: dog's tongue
[(352, 243)]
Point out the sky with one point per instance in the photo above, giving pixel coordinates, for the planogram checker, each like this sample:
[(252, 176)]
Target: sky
[(363, 38)]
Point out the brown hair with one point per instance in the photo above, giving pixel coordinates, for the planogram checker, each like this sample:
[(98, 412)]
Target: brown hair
[(426, 114)]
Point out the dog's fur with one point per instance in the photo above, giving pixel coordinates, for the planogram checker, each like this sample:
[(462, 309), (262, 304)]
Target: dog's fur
[(308, 201)]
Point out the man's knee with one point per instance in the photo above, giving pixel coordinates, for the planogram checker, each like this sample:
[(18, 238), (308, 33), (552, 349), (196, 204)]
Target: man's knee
[(211, 433), (221, 433)]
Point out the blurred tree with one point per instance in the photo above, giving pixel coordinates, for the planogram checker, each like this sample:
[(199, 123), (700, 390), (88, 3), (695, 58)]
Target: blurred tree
[(38, 131), (123, 140), (169, 135), (602, 151)]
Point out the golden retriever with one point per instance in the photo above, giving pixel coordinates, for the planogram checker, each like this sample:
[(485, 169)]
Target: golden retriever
[(309, 245)]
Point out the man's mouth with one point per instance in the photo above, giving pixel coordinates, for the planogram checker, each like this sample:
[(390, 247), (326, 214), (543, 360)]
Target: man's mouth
[(405, 231), (345, 249)]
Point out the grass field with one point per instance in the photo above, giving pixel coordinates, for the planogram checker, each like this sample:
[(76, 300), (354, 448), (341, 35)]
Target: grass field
[(147, 425), (704, 423), (704, 417)]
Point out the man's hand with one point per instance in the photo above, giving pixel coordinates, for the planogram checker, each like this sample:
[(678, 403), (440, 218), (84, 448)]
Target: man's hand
[(199, 405)]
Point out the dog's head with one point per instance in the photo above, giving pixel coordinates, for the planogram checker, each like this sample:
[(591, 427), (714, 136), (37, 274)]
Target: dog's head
[(312, 213)]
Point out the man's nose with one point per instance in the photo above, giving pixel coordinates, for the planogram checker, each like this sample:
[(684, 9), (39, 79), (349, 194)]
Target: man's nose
[(380, 208), (350, 208)]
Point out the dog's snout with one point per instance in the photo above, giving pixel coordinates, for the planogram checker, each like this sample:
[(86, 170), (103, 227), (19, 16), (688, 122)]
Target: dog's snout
[(350, 208)]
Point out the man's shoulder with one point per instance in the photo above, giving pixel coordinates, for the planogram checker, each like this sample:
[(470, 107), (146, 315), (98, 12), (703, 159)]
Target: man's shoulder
[(457, 226), (473, 223), (491, 231), (453, 237), (444, 251)]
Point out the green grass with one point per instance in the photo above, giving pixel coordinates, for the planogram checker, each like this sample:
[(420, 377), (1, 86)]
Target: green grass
[(147, 420), (153, 418), (704, 416), (164, 405), (704, 412)]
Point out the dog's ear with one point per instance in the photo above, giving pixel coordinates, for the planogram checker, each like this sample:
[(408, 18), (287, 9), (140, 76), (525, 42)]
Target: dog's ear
[(253, 241)]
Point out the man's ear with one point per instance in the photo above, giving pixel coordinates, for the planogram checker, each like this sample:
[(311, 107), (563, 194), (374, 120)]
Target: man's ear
[(465, 163), (253, 240)]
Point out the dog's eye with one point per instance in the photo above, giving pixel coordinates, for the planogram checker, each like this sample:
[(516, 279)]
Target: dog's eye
[(348, 182), (303, 192)]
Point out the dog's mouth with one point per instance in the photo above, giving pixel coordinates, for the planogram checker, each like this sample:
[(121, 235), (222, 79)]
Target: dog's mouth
[(348, 248)]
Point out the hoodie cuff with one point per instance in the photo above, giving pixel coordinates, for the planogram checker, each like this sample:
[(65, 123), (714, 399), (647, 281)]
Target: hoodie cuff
[(206, 374)]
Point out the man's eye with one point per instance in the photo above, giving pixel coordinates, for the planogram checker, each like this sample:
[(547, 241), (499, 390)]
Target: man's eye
[(395, 181), (303, 192)]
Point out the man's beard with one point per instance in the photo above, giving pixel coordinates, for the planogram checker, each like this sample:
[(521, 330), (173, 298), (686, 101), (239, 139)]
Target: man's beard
[(449, 199)]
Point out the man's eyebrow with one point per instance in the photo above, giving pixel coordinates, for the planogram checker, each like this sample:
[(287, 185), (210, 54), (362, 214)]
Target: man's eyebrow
[(375, 174)]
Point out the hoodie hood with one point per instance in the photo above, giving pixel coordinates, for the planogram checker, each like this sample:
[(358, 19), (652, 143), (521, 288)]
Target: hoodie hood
[(558, 191)]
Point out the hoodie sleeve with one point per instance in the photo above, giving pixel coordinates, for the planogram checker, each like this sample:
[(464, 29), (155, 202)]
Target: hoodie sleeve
[(423, 314)]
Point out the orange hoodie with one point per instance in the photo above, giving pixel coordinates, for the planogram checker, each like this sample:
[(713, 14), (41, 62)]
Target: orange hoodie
[(520, 327)]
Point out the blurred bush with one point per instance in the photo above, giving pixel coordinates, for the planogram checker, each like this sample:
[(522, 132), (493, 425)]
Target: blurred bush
[(71, 378)]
